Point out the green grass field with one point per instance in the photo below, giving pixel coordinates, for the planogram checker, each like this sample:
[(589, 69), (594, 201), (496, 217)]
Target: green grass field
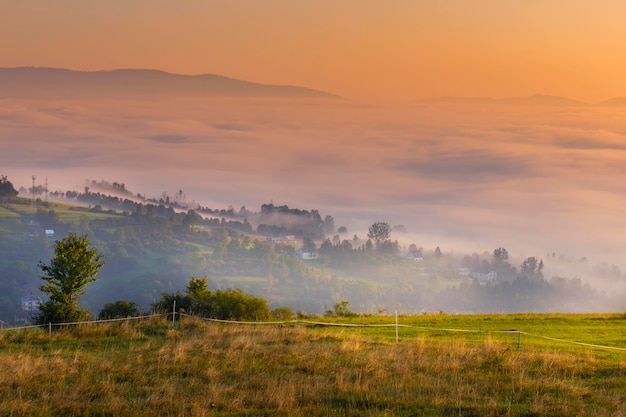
[(564, 332), (10, 221), (203, 368), (13, 216)]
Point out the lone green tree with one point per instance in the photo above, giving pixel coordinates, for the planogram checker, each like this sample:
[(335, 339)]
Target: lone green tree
[(73, 266)]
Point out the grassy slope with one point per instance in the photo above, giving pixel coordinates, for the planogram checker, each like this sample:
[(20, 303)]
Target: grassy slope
[(9, 221), (67, 213), (201, 369)]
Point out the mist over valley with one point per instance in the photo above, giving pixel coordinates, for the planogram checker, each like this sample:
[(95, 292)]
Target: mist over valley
[(542, 177)]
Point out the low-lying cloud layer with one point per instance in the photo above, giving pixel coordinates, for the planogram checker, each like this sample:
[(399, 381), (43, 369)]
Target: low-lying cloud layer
[(464, 176)]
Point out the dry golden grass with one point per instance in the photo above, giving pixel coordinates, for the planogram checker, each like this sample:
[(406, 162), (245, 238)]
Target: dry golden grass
[(206, 369)]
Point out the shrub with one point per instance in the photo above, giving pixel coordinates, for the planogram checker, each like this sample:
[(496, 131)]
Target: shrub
[(282, 313), (341, 309), (230, 304), (119, 309)]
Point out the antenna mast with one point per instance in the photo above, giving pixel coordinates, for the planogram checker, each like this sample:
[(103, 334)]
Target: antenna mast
[(33, 203)]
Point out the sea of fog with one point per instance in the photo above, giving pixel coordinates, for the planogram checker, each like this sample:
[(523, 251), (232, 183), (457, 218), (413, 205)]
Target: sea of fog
[(466, 176)]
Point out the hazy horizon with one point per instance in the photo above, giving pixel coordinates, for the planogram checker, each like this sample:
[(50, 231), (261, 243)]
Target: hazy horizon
[(207, 85), (362, 50)]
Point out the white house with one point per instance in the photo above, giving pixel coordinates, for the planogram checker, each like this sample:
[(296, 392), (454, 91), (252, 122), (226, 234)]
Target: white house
[(30, 303), (305, 255), (481, 276)]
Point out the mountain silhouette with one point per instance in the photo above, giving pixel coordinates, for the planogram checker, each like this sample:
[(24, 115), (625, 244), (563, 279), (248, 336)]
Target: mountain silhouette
[(31, 82)]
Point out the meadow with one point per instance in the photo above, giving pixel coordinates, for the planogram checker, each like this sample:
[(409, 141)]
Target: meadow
[(64, 213), (436, 364)]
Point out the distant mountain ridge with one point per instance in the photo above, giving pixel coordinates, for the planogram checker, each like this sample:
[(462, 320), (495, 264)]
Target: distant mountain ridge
[(614, 102), (536, 100), (31, 82), (543, 100)]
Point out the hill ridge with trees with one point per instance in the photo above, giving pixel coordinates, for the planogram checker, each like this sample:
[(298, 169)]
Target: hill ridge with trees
[(153, 249)]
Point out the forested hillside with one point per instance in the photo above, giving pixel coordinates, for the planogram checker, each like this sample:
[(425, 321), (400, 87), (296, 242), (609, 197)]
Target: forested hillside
[(290, 257)]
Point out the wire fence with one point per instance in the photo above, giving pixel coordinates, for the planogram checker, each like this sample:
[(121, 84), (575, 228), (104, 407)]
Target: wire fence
[(396, 325), (49, 326)]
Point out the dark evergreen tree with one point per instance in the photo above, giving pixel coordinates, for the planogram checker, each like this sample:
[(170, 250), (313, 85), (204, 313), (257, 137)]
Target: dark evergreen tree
[(6, 187)]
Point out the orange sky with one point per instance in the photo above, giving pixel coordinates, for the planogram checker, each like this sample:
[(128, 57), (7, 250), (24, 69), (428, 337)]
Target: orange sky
[(360, 49)]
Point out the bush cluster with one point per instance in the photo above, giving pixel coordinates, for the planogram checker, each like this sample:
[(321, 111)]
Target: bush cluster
[(230, 304)]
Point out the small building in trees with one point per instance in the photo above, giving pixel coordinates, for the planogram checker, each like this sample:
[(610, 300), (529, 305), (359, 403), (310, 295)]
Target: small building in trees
[(491, 276), (464, 272), (30, 303), (288, 237), (306, 255), (415, 255)]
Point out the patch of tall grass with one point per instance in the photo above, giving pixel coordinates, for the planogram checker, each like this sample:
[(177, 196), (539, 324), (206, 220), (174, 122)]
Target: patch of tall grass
[(200, 368)]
